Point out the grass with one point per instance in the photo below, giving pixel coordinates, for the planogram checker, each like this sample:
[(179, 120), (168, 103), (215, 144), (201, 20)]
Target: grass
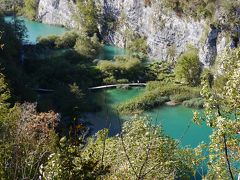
[(158, 93)]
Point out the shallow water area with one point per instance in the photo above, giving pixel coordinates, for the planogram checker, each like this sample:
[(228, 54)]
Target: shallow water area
[(176, 121), (36, 29)]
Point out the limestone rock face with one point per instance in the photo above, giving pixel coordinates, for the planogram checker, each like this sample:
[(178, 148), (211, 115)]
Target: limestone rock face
[(167, 34), (58, 12)]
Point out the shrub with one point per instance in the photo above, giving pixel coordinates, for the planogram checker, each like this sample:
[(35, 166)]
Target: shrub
[(161, 71), (138, 45), (188, 68), (88, 16), (30, 8), (88, 46), (200, 9), (194, 103), (49, 41), (156, 94), (123, 67), (67, 40), (141, 103), (104, 157)]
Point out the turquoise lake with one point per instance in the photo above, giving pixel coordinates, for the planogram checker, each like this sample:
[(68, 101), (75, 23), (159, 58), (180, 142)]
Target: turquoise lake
[(109, 52), (37, 29), (175, 121)]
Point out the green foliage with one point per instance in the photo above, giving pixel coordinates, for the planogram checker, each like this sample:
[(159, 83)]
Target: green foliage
[(171, 52), (75, 161), (26, 139), (67, 40), (4, 90), (88, 16), (206, 10), (124, 67), (88, 46), (156, 94), (69, 75), (193, 8), (222, 105), (143, 102), (138, 45), (194, 103), (160, 71), (30, 8), (138, 152), (49, 41), (230, 9), (12, 36), (188, 68)]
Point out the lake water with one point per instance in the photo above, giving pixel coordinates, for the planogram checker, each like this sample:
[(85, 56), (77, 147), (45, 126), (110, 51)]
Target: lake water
[(175, 121), (37, 29), (109, 52)]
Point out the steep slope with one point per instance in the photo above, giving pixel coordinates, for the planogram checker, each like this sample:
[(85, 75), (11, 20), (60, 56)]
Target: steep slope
[(167, 34)]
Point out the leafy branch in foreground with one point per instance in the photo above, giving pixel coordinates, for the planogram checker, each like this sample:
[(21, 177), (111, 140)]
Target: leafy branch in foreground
[(141, 151), (222, 110)]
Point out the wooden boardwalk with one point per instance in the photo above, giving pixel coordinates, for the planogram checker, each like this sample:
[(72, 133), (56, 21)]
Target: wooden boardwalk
[(117, 85), (44, 90)]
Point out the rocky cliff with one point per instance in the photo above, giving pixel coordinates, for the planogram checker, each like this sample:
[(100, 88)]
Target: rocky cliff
[(58, 12), (167, 34)]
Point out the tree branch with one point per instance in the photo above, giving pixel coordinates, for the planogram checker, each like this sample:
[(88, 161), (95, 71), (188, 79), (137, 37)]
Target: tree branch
[(226, 155)]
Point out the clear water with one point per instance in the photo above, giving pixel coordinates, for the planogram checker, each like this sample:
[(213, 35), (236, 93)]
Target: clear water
[(37, 29), (109, 52), (176, 121), (107, 118)]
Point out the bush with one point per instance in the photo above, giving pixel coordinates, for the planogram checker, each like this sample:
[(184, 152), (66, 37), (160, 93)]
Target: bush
[(67, 40), (122, 81), (156, 94), (138, 45), (30, 8), (194, 103), (188, 68), (88, 46), (161, 71), (141, 103), (198, 10), (88, 16), (49, 41), (124, 67), (104, 157)]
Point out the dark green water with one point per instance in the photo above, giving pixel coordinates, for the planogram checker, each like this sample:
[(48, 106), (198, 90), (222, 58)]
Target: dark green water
[(176, 121), (37, 29)]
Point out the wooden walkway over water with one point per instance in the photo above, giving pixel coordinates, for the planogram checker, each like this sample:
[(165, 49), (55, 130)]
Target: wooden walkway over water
[(117, 85)]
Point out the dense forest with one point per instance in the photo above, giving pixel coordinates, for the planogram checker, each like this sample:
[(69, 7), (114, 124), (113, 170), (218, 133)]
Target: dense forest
[(44, 93)]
